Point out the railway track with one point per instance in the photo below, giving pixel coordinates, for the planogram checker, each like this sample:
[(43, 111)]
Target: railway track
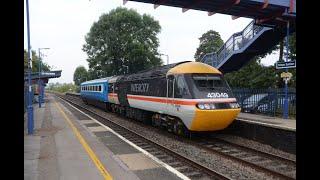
[(271, 164), (184, 165)]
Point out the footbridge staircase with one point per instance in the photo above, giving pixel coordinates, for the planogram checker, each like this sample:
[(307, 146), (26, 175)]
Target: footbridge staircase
[(242, 46)]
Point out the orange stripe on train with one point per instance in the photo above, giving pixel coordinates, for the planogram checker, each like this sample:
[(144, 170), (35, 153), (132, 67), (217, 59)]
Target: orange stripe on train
[(180, 102)]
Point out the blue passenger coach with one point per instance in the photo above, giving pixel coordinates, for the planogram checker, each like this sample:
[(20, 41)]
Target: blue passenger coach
[(95, 90)]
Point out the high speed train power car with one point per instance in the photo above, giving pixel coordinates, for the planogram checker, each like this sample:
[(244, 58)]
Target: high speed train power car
[(181, 97)]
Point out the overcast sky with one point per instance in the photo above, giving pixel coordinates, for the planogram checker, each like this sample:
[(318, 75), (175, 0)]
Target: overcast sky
[(61, 25)]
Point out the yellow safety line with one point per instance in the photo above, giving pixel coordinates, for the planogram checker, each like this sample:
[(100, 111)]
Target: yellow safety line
[(92, 155)]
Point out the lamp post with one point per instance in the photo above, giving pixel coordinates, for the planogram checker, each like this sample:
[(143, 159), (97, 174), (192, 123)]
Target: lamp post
[(167, 57), (30, 108), (39, 81), (286, 104)]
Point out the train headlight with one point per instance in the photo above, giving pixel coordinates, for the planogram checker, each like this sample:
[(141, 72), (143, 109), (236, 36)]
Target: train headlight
[(200, 106), (207, 106), (234, 105)]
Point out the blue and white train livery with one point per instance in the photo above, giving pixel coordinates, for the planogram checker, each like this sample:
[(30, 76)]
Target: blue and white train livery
[(95, 90)]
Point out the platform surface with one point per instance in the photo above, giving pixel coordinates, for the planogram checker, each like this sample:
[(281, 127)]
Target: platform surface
[(274, 122), (55, 151)]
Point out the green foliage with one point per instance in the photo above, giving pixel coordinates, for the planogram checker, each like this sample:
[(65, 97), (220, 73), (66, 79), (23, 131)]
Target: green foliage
[(122, 42), (80, 75), (35, 62), (62, 88), (252, 75), (209, 42)]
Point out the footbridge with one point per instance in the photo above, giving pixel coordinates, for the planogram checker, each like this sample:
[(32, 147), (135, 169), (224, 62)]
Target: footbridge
[(268, 27)]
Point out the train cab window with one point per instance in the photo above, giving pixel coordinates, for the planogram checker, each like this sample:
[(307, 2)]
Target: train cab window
[(99, 87), (180, 88), (208, 81)]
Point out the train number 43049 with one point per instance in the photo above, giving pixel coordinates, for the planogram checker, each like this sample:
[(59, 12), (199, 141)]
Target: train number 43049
[(217, 95)]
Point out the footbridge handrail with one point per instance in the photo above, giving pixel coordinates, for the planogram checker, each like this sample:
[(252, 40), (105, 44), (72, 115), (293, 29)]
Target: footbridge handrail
[(236, 42)]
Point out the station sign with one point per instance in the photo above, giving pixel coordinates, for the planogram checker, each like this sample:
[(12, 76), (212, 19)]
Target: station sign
[(284, 65)]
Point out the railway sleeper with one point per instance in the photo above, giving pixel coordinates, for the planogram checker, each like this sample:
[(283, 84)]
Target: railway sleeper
[(184, 169), (193, 174)]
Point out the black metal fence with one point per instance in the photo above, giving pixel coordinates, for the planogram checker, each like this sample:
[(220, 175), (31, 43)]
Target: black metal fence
[(266, 101)]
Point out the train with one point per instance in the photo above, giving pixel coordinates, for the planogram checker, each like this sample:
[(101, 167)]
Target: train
[(182, 97)]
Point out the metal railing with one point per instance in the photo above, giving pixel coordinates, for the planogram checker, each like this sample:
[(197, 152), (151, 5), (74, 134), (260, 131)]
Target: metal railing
[(236, 42), (265, 101)]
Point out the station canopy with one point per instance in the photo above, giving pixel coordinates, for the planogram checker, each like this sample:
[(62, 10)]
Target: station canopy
[(44, 76)]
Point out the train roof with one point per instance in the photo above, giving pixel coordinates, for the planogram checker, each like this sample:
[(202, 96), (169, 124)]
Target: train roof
[(156, 72), (101, 80)]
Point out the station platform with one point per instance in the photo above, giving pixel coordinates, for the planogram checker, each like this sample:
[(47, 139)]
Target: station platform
[(274, 122), (66, 146)]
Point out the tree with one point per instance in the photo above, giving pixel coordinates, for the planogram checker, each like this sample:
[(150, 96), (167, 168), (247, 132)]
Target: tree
[(62, 88), (35, 62), (209, 42), (252, 75), (80, 75), (122, 42)]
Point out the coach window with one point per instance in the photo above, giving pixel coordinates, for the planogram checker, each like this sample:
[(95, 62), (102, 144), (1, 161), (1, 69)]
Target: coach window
[(110, 89)]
